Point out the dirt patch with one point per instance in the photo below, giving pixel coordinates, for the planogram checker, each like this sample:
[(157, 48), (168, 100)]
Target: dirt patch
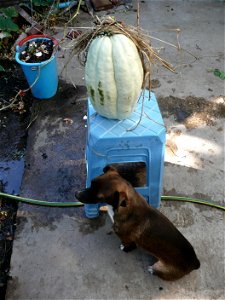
[(193, 112), (13, 121), (91, 225), (155, 83), (13, 135), (7, 228), (14, 124)]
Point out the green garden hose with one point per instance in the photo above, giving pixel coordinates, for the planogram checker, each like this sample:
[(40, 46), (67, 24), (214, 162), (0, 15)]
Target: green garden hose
[(77, 204), (192, 200), (40, 202)]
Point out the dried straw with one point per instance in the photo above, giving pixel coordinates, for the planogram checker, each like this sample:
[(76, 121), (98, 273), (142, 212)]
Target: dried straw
[(109, 26)]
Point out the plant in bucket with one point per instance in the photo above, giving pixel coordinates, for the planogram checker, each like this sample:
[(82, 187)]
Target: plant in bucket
[(37, 56)]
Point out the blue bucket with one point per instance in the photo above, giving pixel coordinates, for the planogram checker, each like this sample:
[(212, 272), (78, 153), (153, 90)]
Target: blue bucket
[(42, 77)]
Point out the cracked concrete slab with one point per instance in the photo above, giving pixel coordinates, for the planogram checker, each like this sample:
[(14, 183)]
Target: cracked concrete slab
[(58, 253)]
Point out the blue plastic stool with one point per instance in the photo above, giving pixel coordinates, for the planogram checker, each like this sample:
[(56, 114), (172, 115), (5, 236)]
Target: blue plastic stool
[(139, 138)]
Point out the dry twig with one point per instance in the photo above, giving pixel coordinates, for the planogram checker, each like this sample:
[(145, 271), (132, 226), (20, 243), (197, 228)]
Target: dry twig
[(109, 26)]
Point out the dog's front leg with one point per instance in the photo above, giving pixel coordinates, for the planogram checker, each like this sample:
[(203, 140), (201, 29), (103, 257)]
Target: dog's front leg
[(128, 247), (127, 242)]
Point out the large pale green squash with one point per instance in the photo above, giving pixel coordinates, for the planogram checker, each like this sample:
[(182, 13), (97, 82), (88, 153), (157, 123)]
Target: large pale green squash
[(113, 75)]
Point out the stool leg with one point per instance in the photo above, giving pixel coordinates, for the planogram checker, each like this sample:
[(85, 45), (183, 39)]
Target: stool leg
[(156, 168), (91, 210)]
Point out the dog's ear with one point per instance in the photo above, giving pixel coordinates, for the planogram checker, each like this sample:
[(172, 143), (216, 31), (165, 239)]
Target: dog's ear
[(123, 203), (120, 199), (109, 169), (115, 203), (123, 199)]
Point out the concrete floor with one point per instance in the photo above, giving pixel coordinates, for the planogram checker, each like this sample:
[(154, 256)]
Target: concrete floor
[(58, 253)]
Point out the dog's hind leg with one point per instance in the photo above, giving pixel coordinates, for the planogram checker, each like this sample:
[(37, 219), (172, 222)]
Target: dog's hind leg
[(164, 271)]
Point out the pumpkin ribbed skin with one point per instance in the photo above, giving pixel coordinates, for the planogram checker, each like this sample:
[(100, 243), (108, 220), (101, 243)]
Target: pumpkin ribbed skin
[(113, 75)]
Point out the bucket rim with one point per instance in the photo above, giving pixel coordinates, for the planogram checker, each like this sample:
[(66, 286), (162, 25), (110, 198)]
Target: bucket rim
[(34, 36), (31, 37)]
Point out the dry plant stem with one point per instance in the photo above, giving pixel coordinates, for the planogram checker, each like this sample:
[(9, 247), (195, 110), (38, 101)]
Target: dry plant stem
[(154, 120), (147, 70), (71, 5), (108, 26), (73, 17), (138, 16), (147, 75), (178, 33), (49, 13), (32, 121), (73, 27), (34, 113), (14, 99), (71, 80), (178, 47), (157, 39), (142, 111)]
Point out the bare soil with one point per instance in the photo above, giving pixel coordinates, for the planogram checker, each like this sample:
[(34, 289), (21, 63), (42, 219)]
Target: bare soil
[(193, 112), (14, 120), (13, 134), (14, 124)]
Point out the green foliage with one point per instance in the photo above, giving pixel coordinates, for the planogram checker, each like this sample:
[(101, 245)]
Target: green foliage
[(4, 35), (9, 12), (6, 22), (42, 2), (2, 69), (8, 30)]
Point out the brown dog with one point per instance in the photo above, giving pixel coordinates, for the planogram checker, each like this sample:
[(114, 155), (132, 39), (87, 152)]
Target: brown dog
[(138, 224)]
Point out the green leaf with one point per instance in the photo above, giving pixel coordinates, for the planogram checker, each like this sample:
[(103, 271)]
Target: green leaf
[(4, 35), (6, 24), (219, 74), (10, 12), (2, 69), (42, 2)]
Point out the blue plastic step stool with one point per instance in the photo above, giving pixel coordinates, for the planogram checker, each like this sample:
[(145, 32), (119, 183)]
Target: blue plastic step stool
[(139, 138)]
